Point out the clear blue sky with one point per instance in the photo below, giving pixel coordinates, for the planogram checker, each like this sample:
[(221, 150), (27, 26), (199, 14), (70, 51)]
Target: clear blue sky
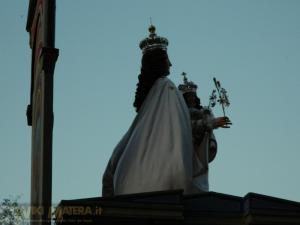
[(253, 47)]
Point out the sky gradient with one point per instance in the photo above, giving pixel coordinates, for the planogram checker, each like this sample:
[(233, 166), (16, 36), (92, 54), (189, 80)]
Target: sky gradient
[(252, 47)]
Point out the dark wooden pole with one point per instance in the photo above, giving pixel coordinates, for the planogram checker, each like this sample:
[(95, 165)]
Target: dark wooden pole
[(41, 28)]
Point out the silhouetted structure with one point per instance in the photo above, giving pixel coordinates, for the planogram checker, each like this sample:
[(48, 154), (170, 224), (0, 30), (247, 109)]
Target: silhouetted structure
[(41, 28), (171, 207)]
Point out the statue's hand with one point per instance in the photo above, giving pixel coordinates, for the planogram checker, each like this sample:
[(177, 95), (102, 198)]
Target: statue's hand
[(222, 122)]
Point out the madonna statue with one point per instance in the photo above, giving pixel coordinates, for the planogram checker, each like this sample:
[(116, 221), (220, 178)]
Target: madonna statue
[(157, 152)]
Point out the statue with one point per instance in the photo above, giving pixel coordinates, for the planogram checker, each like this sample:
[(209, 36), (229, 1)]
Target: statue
[(157, 152), (203, 122)]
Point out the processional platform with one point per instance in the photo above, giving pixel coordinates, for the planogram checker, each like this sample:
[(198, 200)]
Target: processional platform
[(172, 207)]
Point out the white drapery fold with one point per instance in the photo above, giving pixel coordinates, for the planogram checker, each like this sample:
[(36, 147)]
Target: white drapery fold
[(157, 152)]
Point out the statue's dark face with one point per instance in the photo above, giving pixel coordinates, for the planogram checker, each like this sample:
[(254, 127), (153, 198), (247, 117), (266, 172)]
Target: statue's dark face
[(156, 62), (190, 99), (168, 65)]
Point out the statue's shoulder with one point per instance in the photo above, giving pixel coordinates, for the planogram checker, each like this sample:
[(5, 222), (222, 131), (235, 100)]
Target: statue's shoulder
[(206, 110), (195, 113), (163, 80), (166, 81), (194, 110), (201, 113)]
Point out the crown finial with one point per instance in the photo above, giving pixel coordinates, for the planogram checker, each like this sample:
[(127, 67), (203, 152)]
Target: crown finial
[(185, 80), (152, 29)]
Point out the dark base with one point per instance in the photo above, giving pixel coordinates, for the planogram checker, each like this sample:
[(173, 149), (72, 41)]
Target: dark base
[(171, 207)]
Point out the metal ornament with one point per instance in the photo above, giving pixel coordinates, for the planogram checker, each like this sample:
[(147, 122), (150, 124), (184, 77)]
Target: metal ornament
[(222, 97)]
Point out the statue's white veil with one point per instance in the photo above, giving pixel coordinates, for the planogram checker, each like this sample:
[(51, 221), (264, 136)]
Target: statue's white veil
[(156, 153)]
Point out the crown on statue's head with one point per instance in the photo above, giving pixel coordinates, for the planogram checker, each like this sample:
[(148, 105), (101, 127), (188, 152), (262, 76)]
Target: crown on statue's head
[(187, 86), (153, 41)]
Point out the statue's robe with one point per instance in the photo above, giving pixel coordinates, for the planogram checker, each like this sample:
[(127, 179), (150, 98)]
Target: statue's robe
[(157, 151), (205, 145)]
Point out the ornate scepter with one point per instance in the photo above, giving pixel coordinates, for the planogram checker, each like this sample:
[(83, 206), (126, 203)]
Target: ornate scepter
[(223, 97)]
